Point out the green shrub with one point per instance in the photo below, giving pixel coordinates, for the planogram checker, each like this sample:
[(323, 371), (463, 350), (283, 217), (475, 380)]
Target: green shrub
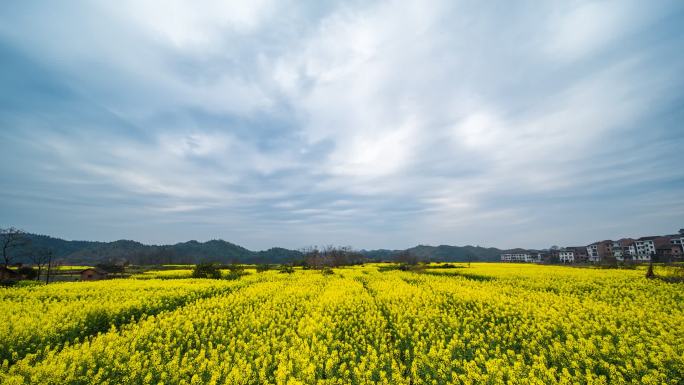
[(232, 275), (206, 270), (263, 267)]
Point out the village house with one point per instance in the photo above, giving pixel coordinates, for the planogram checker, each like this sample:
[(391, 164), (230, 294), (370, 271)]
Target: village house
[(580, 253), (668, 253), (592, 252), (677, 241), (566, 255), (93, 274), (623, 248), (599, 251), (645, 248), (520, 256), (668, 248)]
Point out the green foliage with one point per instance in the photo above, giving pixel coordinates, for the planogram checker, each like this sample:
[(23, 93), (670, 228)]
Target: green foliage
[(89, 253), (286, 269), (233, 275), (447, 266), (235, 271), (236, 268), (409, 267), (206, 270), (263, 267)]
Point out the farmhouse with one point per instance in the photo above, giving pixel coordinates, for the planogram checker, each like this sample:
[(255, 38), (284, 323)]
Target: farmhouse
[(645, 247), (668, 253), (677, 242), (623, 248), (520, 256), (566, 255), (598, 251), (93, 274)]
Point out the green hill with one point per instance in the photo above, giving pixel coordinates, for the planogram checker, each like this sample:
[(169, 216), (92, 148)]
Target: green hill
[(89, 252)]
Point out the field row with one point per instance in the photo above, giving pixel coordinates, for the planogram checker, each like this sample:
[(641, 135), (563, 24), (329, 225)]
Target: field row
[(487, 324), (35, 319)]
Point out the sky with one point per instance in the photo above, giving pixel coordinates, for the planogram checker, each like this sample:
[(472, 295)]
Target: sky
[(372, 124)]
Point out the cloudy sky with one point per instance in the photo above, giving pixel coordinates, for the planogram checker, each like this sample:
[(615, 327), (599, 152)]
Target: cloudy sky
[(371, 124)]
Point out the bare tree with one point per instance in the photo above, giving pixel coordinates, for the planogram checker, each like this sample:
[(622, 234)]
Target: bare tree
[(40, 258), (330, 256), (49, 267), (650, 273), (312, 257), (53, 265), (11, 238), (408, 258)]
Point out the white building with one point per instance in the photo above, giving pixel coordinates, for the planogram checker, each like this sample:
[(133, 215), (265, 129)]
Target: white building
[(617, 250), (645, 248), (566, 256), (518, 257), (592, 253)]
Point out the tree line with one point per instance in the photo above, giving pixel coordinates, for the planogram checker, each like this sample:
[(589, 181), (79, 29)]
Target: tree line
[(15, 244)]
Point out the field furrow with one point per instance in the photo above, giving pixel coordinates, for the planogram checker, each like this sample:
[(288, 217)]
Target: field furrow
[(376, 325), (37, 319)]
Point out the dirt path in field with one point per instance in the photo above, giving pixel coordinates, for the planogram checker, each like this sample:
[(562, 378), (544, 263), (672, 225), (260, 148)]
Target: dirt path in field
[(405, 356)]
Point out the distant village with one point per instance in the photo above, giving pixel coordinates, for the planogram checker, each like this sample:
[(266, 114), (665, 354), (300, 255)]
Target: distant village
[(658, 248)]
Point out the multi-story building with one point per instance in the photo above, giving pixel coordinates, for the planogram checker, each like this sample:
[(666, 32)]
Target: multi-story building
[(539, 257), (599, 251), (580, 253), (616, 250), (678, 241), (592, 252), (668, 253), (645, 248), (566, 255), (520, 256), (623, 249)]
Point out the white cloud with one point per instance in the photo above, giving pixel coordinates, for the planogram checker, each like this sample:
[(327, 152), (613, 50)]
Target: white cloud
[(580, 29), (342, 118), (482, 130), (583, 28), (192, 26)]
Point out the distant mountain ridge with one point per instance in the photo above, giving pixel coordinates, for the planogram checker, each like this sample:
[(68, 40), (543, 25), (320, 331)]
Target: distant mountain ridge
[(90, 252)]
